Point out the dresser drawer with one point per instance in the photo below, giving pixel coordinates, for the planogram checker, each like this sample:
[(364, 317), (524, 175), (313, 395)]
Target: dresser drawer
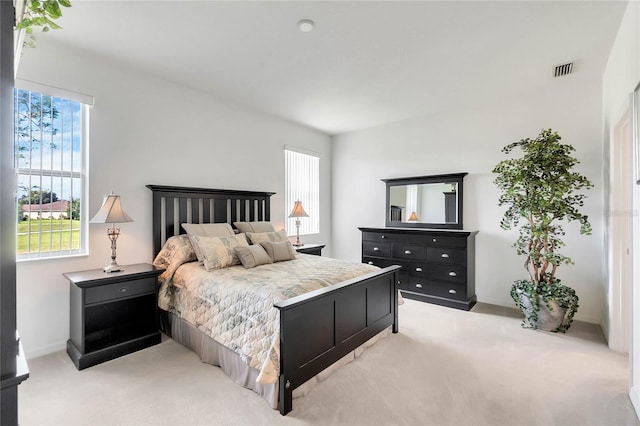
[(119, 290), (439, 289), (418, 269), (382, 263), (448, 273), (447, 255), (447, 241), (406, 251), (376, 249)]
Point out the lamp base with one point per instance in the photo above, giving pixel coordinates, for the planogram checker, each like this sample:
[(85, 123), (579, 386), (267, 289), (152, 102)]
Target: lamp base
[(114, 267), (298, 244)]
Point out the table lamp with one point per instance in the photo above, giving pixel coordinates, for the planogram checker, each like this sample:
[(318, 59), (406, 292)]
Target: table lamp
[(112, 212), (298, 212)]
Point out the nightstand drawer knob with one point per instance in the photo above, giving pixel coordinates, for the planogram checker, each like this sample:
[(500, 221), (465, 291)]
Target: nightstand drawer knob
[(444, 255), (452, 291), (370, 262), (419, 285), (418, 269), (383, 236), (376, 249), (124, 290), (407, 252), (435, 240), (453, 274)]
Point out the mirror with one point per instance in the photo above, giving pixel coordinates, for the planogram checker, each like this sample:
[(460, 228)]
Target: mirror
[(425, 201)]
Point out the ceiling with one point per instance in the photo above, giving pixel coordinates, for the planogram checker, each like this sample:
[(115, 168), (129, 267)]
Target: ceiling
[(364, 64)]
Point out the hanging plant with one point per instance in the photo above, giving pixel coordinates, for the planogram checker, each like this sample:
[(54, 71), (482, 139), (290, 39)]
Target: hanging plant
[(40, 14)]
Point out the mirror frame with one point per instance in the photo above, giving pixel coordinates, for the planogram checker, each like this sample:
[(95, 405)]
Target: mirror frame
[(447, 178)]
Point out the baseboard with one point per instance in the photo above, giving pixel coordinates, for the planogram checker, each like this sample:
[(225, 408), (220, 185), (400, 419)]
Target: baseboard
[(45, 350), (635, 400)]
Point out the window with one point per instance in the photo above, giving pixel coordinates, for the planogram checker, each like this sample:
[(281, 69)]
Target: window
[(50, 151), (302, 183)]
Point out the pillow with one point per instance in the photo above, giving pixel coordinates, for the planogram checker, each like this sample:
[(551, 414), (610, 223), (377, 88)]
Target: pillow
[(279, 250), (218, 251), (252, 256), (176, 251), (266, 237), (207, 230), (254, 226)]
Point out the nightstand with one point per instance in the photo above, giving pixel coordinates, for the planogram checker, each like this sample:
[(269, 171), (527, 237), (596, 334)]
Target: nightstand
[(112, 314), (315, 249)]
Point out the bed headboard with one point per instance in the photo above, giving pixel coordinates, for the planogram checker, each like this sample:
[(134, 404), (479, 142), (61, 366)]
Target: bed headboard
[(173, 205)]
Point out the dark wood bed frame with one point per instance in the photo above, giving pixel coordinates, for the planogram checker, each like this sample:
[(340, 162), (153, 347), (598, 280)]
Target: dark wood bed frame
[(317, 328)]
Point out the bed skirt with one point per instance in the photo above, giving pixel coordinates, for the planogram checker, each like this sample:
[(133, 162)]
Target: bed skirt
[(212, 352)]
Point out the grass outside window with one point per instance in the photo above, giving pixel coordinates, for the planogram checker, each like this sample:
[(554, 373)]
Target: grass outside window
[(48, 235)]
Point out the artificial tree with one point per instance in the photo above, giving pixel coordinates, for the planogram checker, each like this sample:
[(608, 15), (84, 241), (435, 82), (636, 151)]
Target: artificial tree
[(541, 189), (40, 13)]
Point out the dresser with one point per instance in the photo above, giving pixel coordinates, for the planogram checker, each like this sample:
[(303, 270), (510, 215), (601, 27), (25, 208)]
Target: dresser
[(438, 266)]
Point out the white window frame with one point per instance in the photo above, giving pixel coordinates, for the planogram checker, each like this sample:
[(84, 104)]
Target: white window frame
[(82, 193), (302, 182)]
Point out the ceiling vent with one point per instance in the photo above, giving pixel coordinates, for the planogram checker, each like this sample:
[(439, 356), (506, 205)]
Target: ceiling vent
[(563, 69)]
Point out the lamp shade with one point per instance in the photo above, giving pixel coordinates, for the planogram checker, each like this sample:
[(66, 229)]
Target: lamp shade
[(413, 217), (111, 211), (298, 211)]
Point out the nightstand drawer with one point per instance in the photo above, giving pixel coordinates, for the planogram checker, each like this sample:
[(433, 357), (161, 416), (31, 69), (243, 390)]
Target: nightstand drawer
[(119, 290)]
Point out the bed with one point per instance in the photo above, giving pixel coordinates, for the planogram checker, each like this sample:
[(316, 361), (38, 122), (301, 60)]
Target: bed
[(312, 332)]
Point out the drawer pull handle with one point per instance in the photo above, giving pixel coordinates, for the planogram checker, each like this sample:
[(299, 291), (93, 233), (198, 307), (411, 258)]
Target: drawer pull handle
[(383, 236), (435, 240), (419, 285), (453, 274), (376, 249), (407, 252), (124, 290), (444, 255), (452, 291), (418, 269), (370, 262)]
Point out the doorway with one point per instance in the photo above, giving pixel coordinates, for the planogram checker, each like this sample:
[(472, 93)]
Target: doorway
[(621, 235)]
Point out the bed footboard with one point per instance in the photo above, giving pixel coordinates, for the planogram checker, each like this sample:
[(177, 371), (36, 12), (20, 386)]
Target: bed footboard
[(320, 327)]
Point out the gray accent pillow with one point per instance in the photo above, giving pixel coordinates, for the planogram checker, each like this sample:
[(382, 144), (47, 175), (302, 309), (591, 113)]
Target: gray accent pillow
[(252, 256), (254, 226), (279, 251)]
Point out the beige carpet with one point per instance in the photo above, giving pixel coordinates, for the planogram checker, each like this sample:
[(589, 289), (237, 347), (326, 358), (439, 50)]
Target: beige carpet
[(445, 367)]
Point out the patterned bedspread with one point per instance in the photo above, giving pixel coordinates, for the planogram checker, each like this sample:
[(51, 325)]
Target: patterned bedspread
[(234, 305)]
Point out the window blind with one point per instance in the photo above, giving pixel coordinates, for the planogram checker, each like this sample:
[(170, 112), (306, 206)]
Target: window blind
[(302, 183)]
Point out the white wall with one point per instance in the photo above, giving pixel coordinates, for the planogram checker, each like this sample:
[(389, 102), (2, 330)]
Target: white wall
[(148, 131), (620, 79), (470, 141)]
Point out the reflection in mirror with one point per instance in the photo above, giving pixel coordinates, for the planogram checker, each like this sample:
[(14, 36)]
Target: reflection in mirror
[(425, 201), (430, 203)]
